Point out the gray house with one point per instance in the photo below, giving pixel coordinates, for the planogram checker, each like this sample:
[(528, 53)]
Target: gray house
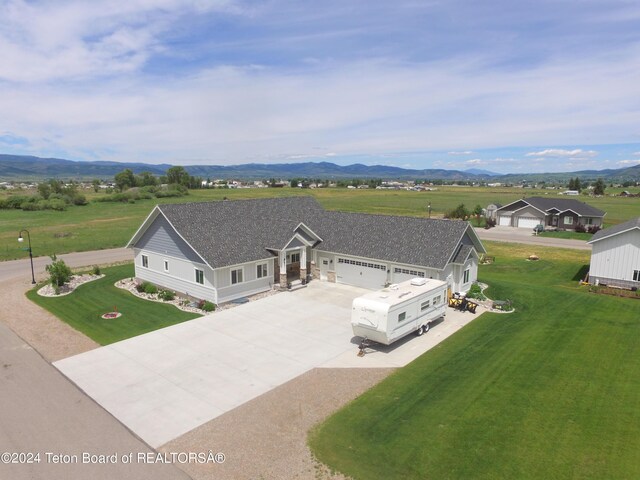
[(615, 255), (563, 213), (221, 251)]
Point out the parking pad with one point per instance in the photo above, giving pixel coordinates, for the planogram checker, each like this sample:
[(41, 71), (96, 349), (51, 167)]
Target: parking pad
[(168, 382)]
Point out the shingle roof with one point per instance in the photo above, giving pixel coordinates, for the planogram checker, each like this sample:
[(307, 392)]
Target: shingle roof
[(563, 204), (232, 232), (621, 227)]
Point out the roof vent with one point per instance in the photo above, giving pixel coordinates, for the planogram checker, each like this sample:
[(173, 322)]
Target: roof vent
[(418, 281)]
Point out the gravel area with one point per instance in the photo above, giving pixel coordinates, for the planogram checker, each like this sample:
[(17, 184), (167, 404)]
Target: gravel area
[(74, 282), (266, 437)]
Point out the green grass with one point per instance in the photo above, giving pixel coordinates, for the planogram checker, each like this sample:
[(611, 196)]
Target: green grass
[(83, 308), (568, 234), (550, 391), (100, 225)]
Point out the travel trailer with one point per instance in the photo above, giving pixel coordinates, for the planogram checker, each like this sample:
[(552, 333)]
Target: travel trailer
[(389, 314)]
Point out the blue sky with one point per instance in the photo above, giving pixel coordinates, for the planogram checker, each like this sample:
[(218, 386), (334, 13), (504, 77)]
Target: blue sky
[(498, 85)]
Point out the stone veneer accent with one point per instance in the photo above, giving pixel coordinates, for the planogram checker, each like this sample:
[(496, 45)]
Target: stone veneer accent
[(283, 281)]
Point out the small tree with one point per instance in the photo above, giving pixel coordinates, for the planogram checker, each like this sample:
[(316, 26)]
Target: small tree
[(59, 272), (598, 187)]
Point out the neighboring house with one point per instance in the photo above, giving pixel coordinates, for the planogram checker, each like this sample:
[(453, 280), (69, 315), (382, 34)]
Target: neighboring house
[(491, 210), (563, 213), (615, 255), (221, 251)]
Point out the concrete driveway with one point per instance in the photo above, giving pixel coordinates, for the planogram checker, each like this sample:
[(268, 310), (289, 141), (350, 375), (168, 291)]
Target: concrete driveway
[(166, 383)]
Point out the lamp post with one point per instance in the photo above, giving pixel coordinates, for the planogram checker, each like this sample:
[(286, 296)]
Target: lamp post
[(21, 239), (429, 209)]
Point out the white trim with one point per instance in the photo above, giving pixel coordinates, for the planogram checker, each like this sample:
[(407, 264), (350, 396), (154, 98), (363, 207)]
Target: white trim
[(529, 205), (144, 226), (298, 237), (165, 264), (196, 270), (313, 234), (266, 275), (231, 282), (613, 234), (143, 257)]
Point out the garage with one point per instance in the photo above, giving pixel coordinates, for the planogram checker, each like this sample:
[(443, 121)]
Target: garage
[(528, 222), (504, 221), (361, 273), (402, 274)]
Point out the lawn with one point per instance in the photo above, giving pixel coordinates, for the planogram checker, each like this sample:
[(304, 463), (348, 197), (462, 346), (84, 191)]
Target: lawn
[(100, 225), (83, 308), (550, 391), (568, 234)]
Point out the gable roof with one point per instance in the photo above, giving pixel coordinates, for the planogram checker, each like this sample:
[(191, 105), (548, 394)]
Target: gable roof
[(233, 232), (561, 204), (616, 229)]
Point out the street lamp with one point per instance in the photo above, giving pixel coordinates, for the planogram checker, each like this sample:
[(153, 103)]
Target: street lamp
[(21, 239), (429, 208)]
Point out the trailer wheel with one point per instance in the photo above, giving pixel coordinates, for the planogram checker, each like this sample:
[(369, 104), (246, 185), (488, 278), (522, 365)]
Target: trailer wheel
[(426, 327), (420, 330)]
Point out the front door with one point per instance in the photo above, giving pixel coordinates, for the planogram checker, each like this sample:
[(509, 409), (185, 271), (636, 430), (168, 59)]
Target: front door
[(324, 268)]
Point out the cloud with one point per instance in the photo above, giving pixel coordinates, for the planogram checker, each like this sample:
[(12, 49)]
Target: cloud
[(475, 161), (628, 162), (558, 153), (465, 152)]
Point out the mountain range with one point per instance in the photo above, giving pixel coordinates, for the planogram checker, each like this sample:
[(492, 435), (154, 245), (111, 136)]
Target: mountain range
[(23, 168)]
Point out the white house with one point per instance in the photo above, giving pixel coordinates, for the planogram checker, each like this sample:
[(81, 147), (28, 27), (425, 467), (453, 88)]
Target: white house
[(615, 255), (221, 251)]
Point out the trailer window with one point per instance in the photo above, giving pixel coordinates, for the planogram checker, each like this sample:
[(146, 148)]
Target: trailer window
[(436, 300), (402, 316), (424, 306)]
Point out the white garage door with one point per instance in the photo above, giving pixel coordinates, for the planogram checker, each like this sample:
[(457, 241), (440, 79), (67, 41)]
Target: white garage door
[(528, 222), (402, 274), (504, 221), (361, 273)]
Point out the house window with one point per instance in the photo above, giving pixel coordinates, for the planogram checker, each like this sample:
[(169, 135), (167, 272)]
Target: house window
[(588, 221), (568, 220), (199, 276), (166, 265), (402, 317), (465, 276), (145, 261), (636, 275), (261, 270), (236, 276), (295, 257), (424, 305)]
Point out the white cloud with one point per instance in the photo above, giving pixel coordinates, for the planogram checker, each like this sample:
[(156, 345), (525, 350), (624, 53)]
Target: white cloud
[(465, 152), (475, 161), (628, 162), (558, 152)]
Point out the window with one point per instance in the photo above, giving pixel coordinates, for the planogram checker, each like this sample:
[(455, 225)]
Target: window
[(361, 264), (588, 221), (166, 265), (424, 305), (636, 275), (465, 276), (436, 300), (261, 270), (568, 220), (236, 276), (295, 257), (199, 276), (415, 273), (402, 317), (145, 261)]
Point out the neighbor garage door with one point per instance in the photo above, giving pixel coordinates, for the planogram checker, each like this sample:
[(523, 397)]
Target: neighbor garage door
[(361, 273), (504, 221), (528, 222)]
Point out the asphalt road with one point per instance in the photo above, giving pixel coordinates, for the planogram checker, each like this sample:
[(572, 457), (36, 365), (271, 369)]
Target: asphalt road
[(49, 429), (525, 235)]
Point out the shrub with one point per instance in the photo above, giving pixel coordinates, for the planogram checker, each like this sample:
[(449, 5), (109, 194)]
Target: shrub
[(166, 295), (59, 272), (150, 288), (476, 292), (95, 270), (490, 223), (580, 228), (593, 228), (206, 306)]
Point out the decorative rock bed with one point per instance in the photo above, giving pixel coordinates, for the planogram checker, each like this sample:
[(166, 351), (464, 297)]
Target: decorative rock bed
[(76, 280), (111, 315)]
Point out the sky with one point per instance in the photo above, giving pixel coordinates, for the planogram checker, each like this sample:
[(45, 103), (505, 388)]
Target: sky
[(500, 85)]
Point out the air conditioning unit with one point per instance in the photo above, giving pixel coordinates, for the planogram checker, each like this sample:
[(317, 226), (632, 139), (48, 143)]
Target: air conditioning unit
[(418, 282)]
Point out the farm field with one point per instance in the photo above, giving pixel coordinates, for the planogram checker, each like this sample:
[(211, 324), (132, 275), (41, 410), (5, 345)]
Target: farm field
[(82, 309), (550, 391), (100, 225)]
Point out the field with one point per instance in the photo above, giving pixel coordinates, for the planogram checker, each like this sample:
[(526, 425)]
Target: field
[(550, 391), (83, 308), (100, 225)]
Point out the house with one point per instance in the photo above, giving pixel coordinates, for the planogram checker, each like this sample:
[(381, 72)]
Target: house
[(220, 251), (615, 255), (563, 213)]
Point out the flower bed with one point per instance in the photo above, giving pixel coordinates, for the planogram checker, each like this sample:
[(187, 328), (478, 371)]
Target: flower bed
[(49, 291)]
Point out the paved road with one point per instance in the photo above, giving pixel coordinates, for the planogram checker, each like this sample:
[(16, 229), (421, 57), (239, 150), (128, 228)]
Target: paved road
[(42, 412), (524, 235)]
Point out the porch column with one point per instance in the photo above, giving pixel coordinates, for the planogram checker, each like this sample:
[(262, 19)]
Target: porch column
[(282, 258), (303, 263)]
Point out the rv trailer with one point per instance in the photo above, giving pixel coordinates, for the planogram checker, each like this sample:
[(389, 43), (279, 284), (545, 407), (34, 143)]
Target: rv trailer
[(389, 314)]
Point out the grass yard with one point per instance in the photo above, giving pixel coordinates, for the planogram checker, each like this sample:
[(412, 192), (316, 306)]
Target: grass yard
[(568, 234), (100, 225), (551, 391), (83, 308)]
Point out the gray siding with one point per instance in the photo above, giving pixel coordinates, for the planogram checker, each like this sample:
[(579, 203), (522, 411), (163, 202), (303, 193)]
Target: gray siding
[(161, 238), (250, 284)]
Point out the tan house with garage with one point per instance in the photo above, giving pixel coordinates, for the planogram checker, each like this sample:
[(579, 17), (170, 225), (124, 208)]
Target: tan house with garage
[(221, 251)]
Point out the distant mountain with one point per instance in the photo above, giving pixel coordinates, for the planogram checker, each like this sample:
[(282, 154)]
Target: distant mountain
[(19, 167), (479, 171)]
